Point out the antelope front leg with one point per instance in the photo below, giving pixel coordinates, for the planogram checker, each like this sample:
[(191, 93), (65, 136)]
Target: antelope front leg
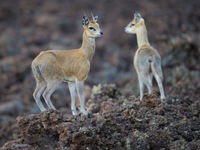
[(72, 90), (150, 80), (80, 90), (141, 86)]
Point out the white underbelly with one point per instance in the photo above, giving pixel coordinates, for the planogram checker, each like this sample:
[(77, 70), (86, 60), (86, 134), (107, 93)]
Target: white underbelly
[(69, 79)]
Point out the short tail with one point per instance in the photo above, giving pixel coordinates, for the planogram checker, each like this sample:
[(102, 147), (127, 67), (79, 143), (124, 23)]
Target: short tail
[(150, 59)]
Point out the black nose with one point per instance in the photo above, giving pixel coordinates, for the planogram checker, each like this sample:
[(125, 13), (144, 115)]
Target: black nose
[(101, 33)]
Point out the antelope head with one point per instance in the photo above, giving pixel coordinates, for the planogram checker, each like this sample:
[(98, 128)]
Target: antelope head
[(92, 28), (135, 25)]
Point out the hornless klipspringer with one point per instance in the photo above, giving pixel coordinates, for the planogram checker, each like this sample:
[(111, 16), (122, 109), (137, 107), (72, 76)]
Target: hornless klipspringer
[(52, 67), (147, 61)]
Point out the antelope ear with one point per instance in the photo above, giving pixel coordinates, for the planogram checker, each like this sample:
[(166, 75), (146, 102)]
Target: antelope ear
[(85, 21), (95, 18), (137, 16)]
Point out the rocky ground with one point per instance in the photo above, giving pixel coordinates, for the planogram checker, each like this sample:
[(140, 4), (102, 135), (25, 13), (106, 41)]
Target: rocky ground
[(117, 119), (115, 122)]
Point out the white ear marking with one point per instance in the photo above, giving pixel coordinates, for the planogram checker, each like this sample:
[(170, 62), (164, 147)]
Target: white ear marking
[(85, 21), (137, 16)]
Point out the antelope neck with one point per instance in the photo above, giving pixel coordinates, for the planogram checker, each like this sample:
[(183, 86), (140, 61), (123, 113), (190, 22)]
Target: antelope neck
[(88, 46), (142, 37)]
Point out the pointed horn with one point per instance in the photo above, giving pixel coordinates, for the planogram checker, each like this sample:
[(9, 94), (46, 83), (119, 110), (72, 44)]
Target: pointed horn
[(92, 16)]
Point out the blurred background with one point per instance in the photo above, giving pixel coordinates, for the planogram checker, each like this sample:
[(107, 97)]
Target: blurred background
[(30, 26)]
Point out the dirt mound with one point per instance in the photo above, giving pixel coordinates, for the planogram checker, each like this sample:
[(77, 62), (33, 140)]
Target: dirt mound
[(126, 124), (8, 131)]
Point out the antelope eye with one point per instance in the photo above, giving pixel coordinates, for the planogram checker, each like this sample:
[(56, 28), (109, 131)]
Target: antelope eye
[(131, 25), (91, 28)]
